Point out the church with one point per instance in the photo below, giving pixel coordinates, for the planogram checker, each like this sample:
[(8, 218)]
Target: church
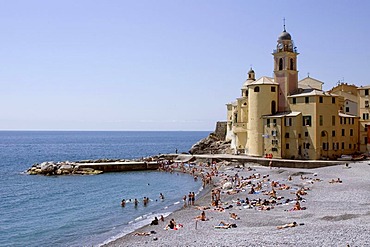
[(282, 117)]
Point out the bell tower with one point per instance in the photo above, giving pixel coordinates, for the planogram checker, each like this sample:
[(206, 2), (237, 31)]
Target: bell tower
[(285, 69)]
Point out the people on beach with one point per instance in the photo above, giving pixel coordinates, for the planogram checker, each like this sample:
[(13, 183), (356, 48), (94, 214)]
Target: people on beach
[(201, 217), (123, 203), (293, 224), (162, 218), (234, 216), (154, 222), (335, 181), (171, 224), (136, 202), (192, 198), (224, 225)]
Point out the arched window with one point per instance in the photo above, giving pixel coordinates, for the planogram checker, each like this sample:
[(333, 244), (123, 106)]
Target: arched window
[(273, 107), (257, 89), (291, 64), (280, 64)]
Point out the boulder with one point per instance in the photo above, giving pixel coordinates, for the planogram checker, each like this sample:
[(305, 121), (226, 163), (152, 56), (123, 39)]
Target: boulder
[(47, 167)]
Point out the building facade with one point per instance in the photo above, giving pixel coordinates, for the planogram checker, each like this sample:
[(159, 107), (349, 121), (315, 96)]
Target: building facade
[(286, 118)]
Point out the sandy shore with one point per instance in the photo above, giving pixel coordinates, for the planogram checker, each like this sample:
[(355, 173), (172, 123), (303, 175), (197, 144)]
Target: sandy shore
[(336, 214)]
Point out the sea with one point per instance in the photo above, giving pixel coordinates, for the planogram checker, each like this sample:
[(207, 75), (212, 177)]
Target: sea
[(85, 210)]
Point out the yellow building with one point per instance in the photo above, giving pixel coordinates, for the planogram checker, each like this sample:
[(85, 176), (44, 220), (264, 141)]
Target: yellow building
[(286, 118)]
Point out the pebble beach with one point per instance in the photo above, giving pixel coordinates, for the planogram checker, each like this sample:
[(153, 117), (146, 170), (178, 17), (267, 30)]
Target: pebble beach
[(334, 201)]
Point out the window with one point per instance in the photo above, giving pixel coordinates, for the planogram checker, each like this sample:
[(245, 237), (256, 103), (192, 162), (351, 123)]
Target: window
[(306, 145), (353, 121), (366, 91), (280, 64), (306, 100), (274, 121), (288, 121), (294, 100), (287, 146), (273, 89), (347, 109), (321, 99), (274, 149), (350, 146), (306, 120), (306, 134), (274, 142), (268, 122), (345, 120), (323, 133), (256, 89), (351, 132), (333, 120), (365, 127), (343, 132), (325, 146), (333, 100), (366, 103), (333, 133), (287, 135), (273, 132), (341, 120), (321, 120), (273, 107), (365, 116), (291, 64), (342, 145)]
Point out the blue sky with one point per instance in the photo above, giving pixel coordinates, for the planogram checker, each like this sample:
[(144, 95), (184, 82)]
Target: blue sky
[(161, 65)]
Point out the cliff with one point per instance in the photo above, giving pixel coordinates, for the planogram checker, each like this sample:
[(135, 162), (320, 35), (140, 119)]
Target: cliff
[(212, 144)]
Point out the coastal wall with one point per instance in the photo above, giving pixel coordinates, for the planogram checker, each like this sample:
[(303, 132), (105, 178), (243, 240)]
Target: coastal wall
[(242, 159), (120, 166), (220, 130)]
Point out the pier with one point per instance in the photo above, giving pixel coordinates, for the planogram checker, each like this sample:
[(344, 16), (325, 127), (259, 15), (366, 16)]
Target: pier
[(121, 166)]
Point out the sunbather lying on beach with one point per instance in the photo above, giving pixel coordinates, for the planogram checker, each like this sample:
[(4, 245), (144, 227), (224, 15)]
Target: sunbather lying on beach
[(335, 181), (224, 225), (293, 224), (234, 216), (144, 233)]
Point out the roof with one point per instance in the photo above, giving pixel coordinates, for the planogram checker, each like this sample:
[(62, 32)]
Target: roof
[(341, 114), (283, 114), (247, 82), (363, 87), (264, 80), (285, 36), (313, 92)]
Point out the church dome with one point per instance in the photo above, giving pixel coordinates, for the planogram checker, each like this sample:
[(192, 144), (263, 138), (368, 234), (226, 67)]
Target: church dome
[(285, 36)]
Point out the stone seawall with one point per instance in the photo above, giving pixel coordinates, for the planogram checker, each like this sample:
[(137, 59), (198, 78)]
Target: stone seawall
[(220, 130), (120, 166)]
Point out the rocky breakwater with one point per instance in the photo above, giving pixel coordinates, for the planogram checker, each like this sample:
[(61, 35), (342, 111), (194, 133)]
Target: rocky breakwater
[(60, 168), (211, 145)]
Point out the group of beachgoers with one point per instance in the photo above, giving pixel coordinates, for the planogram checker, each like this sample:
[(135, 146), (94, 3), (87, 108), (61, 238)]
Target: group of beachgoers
[(135, 201), (261, 191)]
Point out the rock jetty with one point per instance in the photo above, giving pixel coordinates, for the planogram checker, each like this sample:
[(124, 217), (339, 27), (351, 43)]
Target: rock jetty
[(60, 168)]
